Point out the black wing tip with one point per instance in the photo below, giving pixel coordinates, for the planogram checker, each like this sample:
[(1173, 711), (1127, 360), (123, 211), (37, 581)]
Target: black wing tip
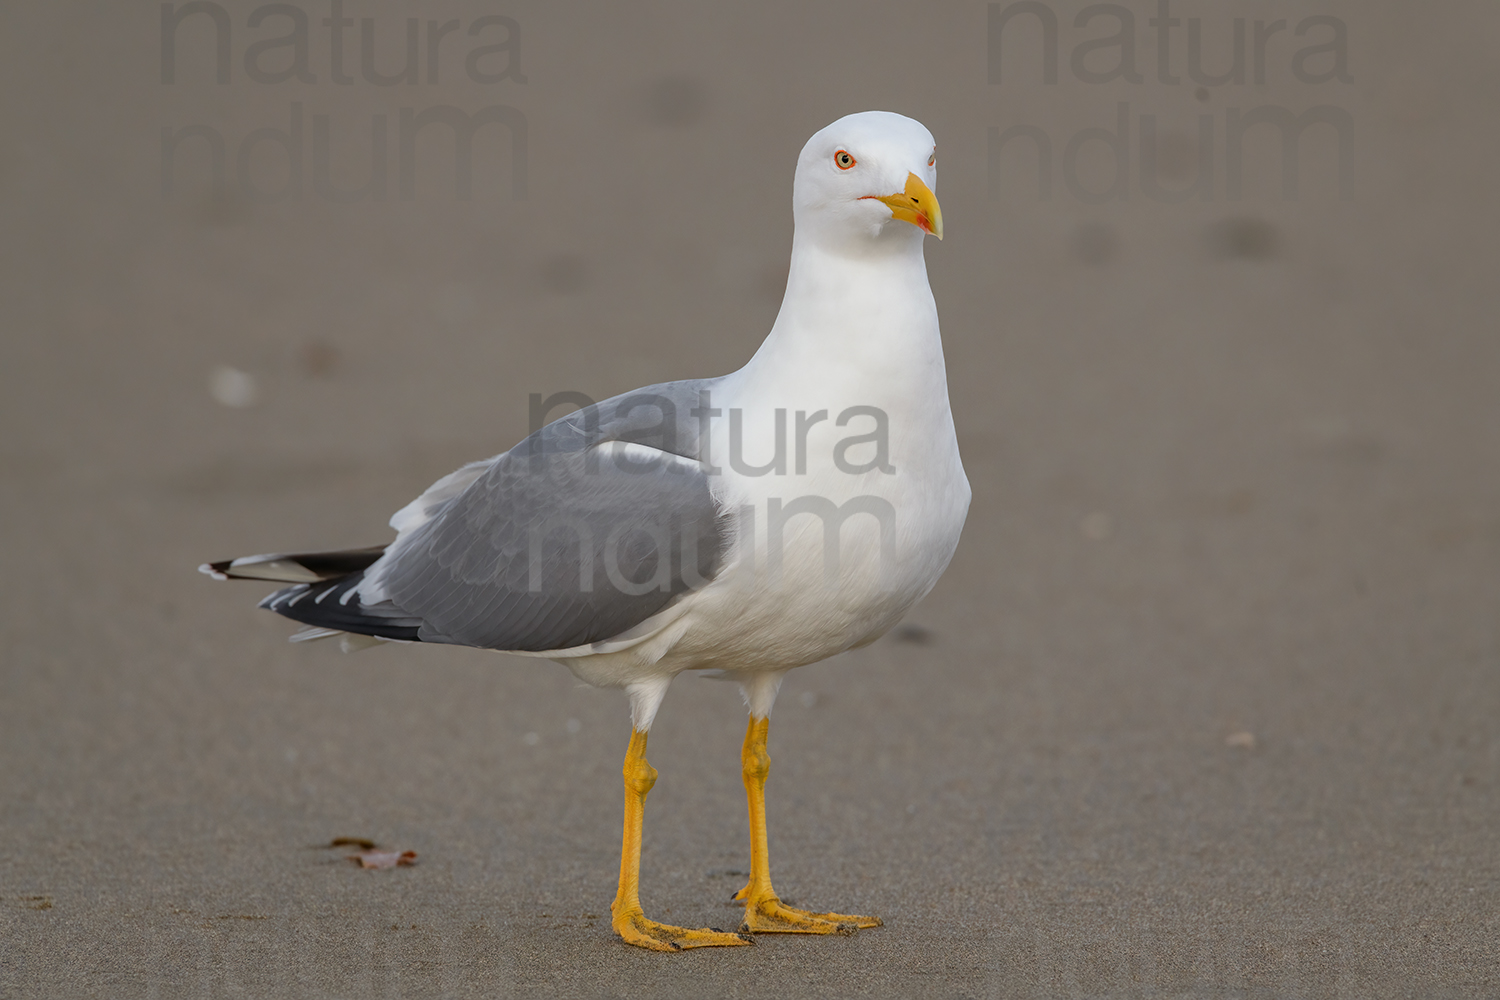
[(333, 604), (329, 565)]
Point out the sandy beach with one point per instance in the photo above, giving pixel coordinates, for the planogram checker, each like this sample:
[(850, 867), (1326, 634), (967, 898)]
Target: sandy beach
[(1207, 704)]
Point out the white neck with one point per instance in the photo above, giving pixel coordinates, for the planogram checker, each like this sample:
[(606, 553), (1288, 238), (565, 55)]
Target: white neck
[(852, 323)]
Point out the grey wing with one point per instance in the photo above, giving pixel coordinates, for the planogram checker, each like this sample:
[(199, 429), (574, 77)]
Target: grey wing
[(587, 528)]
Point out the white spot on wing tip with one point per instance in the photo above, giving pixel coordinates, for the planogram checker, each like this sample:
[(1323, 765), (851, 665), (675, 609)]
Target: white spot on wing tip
[(208, 570)]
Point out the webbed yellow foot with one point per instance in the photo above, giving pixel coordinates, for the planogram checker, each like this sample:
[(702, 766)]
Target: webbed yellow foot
[(637, 930), (769, 915), (782, 908)]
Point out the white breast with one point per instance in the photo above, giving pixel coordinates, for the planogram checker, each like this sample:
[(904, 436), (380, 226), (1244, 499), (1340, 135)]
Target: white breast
[(834, 538), (858, 521)]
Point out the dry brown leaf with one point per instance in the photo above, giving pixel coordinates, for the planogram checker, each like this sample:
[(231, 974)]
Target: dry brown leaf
[(360, 842), (383, 859)]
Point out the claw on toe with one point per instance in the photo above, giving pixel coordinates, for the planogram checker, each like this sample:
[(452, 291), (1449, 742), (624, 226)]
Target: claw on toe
[(643, 933)]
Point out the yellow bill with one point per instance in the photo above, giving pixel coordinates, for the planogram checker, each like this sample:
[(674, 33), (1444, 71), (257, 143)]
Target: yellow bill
[(917, 205)]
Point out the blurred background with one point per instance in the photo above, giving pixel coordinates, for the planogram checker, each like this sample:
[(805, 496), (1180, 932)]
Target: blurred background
[(1206, 705)]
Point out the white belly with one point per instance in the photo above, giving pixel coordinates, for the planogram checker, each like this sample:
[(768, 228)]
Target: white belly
[(852, 557), (818, 563)]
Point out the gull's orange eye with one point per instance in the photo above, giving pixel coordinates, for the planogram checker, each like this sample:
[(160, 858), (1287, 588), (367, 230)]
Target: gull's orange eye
[(932, 160), (843, 159)]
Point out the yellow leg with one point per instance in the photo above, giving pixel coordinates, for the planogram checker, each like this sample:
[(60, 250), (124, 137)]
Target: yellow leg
[(764, 912), (629, 922)]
